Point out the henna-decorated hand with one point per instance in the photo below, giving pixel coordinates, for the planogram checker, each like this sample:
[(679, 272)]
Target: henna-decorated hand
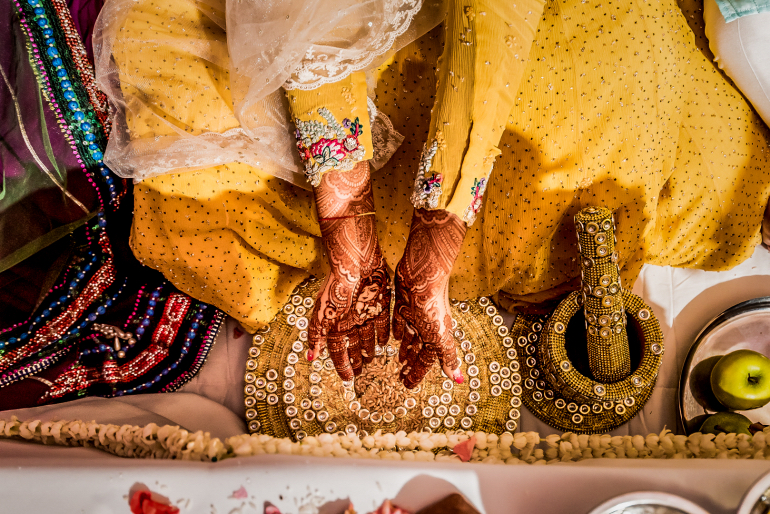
[(353, 306), (421, 320)]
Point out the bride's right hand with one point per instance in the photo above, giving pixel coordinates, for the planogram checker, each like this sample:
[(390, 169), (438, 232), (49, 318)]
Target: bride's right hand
[(352, 309)]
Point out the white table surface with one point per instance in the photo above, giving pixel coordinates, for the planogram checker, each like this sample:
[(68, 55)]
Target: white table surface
[(84, 481)]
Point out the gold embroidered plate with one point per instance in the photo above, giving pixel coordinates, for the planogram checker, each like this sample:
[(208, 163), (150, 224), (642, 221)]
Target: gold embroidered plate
[(287, 396)]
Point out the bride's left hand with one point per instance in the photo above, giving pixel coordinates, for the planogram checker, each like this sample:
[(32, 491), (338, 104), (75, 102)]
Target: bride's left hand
[(421, 318)]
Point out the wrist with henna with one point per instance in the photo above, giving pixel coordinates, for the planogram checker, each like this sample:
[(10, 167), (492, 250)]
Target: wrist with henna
[(352, 308), (422, 319)]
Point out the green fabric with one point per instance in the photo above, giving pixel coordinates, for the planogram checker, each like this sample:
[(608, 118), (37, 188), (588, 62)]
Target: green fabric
[(41, 242), (734, 9), (47, 143)]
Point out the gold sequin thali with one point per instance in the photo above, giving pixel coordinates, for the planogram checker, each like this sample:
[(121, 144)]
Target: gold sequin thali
[(287, 396)]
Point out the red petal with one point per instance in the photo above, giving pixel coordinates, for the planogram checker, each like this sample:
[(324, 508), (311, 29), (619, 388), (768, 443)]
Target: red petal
[(136, 501), (464, 450)]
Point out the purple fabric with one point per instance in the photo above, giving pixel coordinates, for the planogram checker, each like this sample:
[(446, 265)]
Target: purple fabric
[(84, 14), (30, 202)]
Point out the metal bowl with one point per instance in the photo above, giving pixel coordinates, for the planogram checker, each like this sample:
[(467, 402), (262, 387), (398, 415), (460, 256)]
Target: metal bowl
[(757, 498), (648, 502), (743, 326)]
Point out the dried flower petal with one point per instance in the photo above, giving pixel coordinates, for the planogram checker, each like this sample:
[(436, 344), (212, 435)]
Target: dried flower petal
[(464, 450), (240, 494)]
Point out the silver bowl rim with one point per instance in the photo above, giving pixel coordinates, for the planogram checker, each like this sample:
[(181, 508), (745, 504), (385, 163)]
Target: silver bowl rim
[(753, 493), (726, 315)]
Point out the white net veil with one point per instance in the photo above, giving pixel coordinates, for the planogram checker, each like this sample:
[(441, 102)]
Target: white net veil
[(269, 44)]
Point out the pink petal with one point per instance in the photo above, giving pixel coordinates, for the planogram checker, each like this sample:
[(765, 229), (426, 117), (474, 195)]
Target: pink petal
[(240, 494), (272, 509), (464, 450)]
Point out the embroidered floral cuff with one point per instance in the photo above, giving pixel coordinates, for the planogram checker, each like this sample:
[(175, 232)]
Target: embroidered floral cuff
[(477, 193), (427, 186), (328, 146), (466, 200)]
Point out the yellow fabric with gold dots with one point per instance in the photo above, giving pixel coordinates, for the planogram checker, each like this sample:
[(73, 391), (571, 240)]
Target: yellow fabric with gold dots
[(190, 92), (617, 104), (487, 42)]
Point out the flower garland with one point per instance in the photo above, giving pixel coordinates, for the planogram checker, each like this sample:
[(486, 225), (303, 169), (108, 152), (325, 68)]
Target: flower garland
[(172, 442)]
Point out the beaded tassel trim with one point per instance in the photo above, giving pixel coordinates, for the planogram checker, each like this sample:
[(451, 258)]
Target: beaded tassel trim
[(427, 187), (330, 146)]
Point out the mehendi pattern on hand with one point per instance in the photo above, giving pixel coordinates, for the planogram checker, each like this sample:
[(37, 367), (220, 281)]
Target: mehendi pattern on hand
[(422, 320), (353, 307)]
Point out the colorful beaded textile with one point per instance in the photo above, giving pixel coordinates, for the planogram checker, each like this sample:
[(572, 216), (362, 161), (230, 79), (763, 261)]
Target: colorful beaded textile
[(329, 146), (108, 326), (287, 396), (427, 188), (80, 58)]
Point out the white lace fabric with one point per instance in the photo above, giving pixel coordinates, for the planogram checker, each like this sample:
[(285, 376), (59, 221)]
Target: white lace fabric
[(329, 61), (269, 45)]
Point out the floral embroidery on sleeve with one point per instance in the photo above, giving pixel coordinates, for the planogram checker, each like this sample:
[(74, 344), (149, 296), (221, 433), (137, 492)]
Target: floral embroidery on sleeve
[(477, 191), (427, 188), (328, 146)]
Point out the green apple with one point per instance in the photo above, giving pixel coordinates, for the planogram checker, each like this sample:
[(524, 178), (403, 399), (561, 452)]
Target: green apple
[(741, 380), (727, 422)]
